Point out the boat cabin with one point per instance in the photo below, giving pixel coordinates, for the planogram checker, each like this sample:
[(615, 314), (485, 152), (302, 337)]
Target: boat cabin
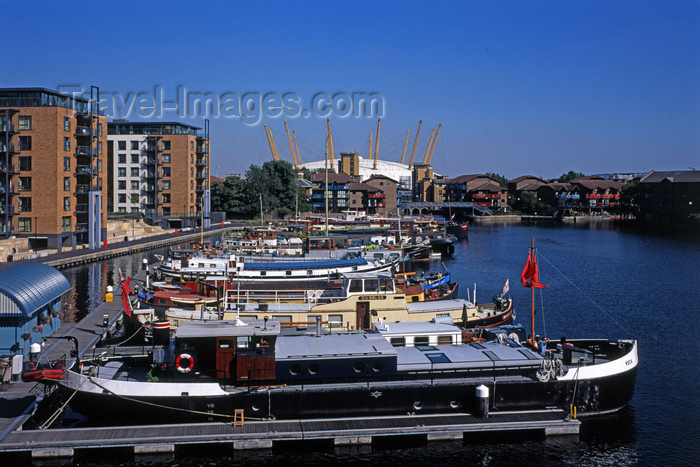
[(439, 331), (230, 351), (356, 284), (325, 243)]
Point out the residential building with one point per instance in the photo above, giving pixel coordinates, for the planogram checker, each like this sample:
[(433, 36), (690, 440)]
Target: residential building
[(338, 192), (525, 183), (388, 187), (480, 189), (597, 195), (670, 197), (54, 170), (349, 164), (158, 168)]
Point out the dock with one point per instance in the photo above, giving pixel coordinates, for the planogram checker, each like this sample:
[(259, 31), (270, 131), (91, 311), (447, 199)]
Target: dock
[(132, 441)]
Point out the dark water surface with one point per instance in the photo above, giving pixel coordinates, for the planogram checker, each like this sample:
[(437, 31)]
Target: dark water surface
[(603, 282)]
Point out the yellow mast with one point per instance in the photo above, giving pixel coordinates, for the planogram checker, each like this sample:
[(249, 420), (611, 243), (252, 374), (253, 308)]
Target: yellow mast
[(415, 144), (432, 149), (269, 141), (369, 154), (274, 145), (330, 143), (291, 148), (376, 145), (405, 145), (427, 150), (297, 146)]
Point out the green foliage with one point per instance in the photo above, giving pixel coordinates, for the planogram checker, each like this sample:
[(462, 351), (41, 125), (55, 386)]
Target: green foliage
[(275, 181), (501, 179), (630, 192), (570, 175)]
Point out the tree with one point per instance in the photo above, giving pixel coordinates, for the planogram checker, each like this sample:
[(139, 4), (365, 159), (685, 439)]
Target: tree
[(501, 179), (228, 196), (276, 181), (570, 176)]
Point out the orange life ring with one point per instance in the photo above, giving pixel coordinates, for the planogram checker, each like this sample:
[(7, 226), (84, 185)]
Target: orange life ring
[(188, 361)]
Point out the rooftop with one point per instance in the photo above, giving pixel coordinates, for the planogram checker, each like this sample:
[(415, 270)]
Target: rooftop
[(30, 287), (42, 97), (119, 127), (673, 176)]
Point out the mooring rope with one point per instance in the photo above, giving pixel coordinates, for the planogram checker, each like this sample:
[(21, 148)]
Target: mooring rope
[(586, 295)]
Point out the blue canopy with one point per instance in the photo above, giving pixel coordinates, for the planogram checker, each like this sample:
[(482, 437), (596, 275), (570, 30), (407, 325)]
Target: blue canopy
[(30, 286)]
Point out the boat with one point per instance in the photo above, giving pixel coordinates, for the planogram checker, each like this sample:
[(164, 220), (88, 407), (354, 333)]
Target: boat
[(211, 370), (458, 229), (363, 299), (51, 371)]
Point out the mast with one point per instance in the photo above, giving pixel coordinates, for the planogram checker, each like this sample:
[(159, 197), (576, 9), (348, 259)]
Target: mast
[(297, 147), (532, 297), (330, 142), (376, 145), (432, 148), (405, 145), (427, 150), (291, 148), (415, 144), (325, 196)]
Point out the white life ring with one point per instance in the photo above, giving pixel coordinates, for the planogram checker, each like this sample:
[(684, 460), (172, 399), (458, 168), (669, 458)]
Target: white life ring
[(188, 363)]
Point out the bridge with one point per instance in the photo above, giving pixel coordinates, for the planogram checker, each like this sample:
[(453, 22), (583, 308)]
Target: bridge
[(463, 208)]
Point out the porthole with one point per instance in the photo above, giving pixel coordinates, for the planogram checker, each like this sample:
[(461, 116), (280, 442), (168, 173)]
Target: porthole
[(255, 408), (418, 405), (314, 368), (377, 365), (295, 369), (455, 404), (359, 367)]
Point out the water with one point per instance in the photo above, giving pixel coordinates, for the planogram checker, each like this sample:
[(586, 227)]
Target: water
[(603, 282)]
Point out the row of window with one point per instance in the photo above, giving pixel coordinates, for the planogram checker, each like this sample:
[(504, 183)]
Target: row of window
[(135, 185), (24, 164), (24, 224), (24, 204), (121, 158), (24, 123)]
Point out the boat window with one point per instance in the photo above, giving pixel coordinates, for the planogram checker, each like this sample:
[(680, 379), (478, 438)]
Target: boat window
[(477, 346), (491, 355), (201, 265), (226, 344), (425, 348), (263, 273), (309, 272), (161, 300), (377, 365), (359, 367), (437, 358), (284, 319), (314, 368), (311, 319), (289, 273), (444, 340), (295, 369), (242, 342), (335, 321), (421, 340), (398, 341), (386, 284), (354, 268), (355, 285)]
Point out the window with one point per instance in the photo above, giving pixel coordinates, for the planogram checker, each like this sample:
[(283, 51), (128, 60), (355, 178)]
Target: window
[(25, 143), (121, 185), (134, 185), (134, 145), (421, 340), (25, 163), (191, 184), (166, 159), (122, 158), (66, 127), (121, 172), (121, 145), (191, 145), (25, 122), (335, 321), (24, 224), (191, 198), (66, 163), (166, 197), (66, 203), (134, 158), (65, 224), (166, 211), (99, 130), (191, 159), (191, 171), (398, 341), (122, 198), (24, 204), (165, 145), (165, 185), (134, 171), (66, 143), (99, 147), (25, 184), (99, 165), (135, 198), (66, 183), (166, 171), (99, 183)]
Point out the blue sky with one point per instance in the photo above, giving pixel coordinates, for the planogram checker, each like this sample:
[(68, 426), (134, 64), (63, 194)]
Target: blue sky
[(537, 87)]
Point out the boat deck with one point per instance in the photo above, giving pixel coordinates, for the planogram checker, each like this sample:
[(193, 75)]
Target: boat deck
[(66, 442)]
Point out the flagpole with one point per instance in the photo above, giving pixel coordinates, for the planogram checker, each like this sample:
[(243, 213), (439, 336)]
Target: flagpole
[(532, 297)]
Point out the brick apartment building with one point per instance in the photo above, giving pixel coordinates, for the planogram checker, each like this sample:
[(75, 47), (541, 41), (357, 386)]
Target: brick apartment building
[(477, 188), (52, 168), (158, 169)]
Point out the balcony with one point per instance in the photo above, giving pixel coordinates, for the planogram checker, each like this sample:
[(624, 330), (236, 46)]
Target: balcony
[(10, 211), (9, 170), (201, 150), (376, 195), (199, 189), (82, 189), (486, 195), (200, 175), (7, 128), (83, 151), (151, 148), (4, 148), (82, 170), (149, 174), (317, 196), (201, 163), (151, 161), (11, 191), (82, 131), (81, 208), (81, 227)]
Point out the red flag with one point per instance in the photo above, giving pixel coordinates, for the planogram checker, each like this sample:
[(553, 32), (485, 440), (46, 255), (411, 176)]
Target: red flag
[(126, 291), (530, 275)]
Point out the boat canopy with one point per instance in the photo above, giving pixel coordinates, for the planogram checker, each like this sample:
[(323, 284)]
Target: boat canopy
[(336, 263), (29, 287)]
